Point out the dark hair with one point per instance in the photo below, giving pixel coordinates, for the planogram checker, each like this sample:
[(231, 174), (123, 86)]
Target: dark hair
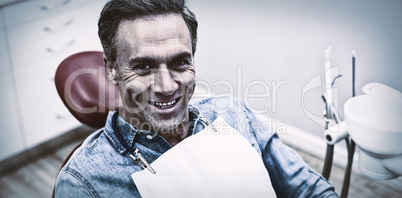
[(117, 10)]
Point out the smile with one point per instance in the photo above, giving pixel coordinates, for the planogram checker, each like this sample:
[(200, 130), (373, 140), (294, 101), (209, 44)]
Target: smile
[(165, 105)]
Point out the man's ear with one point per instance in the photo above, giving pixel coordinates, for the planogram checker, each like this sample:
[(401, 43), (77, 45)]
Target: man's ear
[(110, 70)]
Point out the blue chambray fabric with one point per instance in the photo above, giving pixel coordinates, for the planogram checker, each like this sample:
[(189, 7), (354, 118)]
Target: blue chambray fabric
[(101, 166)]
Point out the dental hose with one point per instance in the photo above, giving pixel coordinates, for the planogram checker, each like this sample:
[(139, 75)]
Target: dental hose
[(329, 155), (326, 171), (348, 172), (351, 145)]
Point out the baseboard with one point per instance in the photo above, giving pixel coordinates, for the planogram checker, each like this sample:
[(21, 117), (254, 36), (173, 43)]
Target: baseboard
[(316, 146)]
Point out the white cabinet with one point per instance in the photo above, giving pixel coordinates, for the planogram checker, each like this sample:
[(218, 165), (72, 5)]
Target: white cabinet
[(11, 136), (68, 31), (29, 11), (43, 89), (4, 61), (52, 119), (8, 100), (35, 37)]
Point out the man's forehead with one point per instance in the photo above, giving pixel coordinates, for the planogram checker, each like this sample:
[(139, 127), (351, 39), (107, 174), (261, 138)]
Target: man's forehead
[(153, 28)]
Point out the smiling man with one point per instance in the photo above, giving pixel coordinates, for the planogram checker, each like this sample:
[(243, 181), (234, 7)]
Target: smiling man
[(149, 48), (155, 72)]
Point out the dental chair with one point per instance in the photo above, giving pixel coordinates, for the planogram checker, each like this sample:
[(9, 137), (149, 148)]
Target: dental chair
[(85, 90)]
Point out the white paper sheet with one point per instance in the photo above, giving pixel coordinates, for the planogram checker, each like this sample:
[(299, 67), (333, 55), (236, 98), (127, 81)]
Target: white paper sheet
[(208, 164)]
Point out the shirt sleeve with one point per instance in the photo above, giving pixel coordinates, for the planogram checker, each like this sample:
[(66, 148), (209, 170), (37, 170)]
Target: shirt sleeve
[(290, 175), (72, 184)]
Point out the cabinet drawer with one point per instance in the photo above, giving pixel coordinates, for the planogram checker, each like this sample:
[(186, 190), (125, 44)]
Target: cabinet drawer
[(74, 22), (45, 121), (41, 51), (8, 96), (35, 84), (38, 9), (11, 136)]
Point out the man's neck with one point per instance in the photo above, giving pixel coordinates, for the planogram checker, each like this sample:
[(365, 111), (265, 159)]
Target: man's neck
[(173, 136), (177, 135)]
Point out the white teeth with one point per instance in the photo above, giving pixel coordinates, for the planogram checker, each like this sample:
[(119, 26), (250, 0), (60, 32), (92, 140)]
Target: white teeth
[(164, 105)]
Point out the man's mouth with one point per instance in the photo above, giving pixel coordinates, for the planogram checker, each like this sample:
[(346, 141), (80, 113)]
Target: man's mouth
[(165, 105)]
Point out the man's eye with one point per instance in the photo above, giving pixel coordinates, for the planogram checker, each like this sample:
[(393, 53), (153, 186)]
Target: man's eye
[(179, 65), (142, 66), (142, 69)]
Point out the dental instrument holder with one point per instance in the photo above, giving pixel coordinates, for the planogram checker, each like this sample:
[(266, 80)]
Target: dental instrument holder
[(330, 115), (332, 120)]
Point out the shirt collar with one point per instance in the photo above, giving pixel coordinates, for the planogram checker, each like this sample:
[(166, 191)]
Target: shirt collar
[(128, 132)]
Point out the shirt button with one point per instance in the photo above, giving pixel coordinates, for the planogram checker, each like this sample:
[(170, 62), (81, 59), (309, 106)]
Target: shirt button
[(149, 137)]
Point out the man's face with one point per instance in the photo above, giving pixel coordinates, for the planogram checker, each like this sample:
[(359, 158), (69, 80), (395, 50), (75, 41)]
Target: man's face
[(156, 69)]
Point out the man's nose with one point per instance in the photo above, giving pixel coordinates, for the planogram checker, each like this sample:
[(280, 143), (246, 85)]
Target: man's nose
[(164, 83)]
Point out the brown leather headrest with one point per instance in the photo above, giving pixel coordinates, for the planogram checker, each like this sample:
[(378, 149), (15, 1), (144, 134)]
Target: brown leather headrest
[(85, 89)]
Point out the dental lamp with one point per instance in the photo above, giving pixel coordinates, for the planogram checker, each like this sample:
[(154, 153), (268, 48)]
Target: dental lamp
[(373, 122)]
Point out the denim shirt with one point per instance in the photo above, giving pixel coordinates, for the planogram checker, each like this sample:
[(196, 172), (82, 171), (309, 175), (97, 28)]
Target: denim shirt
[(101, 166)]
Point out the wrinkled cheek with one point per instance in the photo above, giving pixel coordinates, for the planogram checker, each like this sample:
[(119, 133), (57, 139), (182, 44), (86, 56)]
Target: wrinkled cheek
[(135, 96), (188, 85)]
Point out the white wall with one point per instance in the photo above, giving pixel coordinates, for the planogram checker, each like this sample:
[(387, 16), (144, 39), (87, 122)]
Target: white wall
[(284, 41)]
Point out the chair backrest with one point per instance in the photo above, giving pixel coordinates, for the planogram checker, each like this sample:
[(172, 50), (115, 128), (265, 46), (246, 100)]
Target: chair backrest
[(84, 88)]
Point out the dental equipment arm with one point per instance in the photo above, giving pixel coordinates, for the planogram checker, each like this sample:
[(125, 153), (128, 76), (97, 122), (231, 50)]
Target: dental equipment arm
[(330, 113), (335, 129)]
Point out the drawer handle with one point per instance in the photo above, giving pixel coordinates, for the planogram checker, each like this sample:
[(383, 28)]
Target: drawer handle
[(61, 47), (54, 5), (58, 26)]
